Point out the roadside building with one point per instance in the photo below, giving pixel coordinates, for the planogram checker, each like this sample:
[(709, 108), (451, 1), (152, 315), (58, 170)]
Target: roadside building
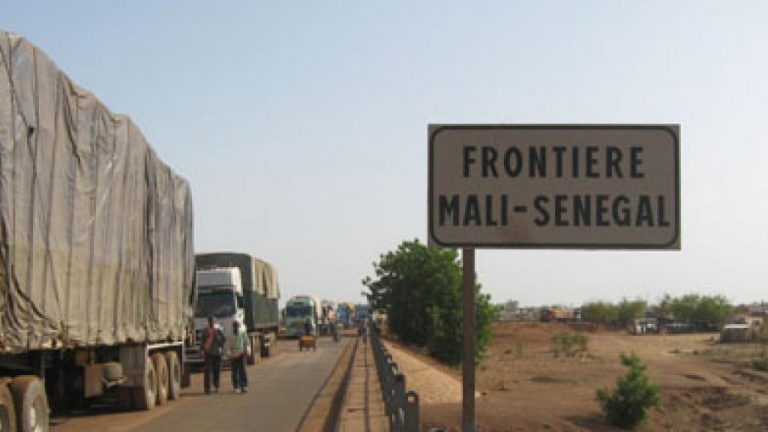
[(736, 333), (560, 314), (754, 322), (641, 326)]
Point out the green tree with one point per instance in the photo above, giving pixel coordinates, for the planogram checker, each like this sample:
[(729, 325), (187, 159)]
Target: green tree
[(713, 310), (684, 308), (628, 311), (420, 288), (600, 312), (663, 310), (627, 406), (701, 311)]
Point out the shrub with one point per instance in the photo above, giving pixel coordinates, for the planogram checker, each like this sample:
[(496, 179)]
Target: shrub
[(569, 344), (627, 406), (760, 364)]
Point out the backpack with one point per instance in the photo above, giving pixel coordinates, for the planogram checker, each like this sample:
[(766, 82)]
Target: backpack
[(217, 346)]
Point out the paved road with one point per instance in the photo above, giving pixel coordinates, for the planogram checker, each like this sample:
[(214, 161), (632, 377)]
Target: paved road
[(281, 390)]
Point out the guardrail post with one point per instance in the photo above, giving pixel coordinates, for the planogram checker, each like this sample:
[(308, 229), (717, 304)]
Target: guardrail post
[(399, 401), (402, 408), (412, 416)]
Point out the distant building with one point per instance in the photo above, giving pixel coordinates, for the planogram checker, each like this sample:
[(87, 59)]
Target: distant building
[(641, 326), (678, 327), (736, 333), (560, 314), (753, 321), (524, 314)]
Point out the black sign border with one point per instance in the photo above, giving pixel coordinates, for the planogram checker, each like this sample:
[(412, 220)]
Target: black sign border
[(672, 129)]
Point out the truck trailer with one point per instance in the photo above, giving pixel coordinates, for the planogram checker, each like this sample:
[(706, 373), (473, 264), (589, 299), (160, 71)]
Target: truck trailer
[(96, 250), (233, 286)]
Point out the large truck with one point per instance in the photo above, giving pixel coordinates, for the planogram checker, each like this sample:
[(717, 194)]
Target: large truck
[(362, 311), (300, 310), (329, 316), (233, 286), (96, 250), (345, 313)]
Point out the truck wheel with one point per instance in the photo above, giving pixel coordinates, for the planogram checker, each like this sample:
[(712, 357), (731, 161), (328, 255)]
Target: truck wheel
[(174, 375), (31, 404), (272, 349), (161, 370), (144, 397), (7, 412), (253, 343), (266, 350)]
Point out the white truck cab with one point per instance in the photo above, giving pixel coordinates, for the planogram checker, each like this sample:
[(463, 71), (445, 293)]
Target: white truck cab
[(219, 294)]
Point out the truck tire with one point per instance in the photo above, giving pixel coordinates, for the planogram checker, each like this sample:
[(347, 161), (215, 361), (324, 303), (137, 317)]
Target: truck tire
[(161, 370), (174, 375), (253, 342), (144, 397), (186, 377), (7, 411), (31, 404), (270, 349)]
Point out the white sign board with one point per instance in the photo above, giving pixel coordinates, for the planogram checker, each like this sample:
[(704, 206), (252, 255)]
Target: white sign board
[(555, 186)]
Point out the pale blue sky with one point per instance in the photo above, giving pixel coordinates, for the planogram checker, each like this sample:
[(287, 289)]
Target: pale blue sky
[(302, 125)]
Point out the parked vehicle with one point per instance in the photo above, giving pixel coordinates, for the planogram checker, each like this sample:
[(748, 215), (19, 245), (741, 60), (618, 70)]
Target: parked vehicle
[(97, 261), (300, 311), (232, 287), (328, 318), (363, 311), (345, 314), (307, 342)]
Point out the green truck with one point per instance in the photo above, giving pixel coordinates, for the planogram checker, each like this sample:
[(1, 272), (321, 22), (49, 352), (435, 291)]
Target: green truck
[(233, 286)]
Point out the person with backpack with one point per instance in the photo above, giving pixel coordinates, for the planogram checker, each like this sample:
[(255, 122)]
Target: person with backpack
[(238, 359), (213, 348)]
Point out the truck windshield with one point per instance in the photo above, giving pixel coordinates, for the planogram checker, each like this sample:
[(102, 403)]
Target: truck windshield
[(297, 311), (218, 303)]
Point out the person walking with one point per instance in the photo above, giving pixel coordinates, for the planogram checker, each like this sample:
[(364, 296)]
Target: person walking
[(213, 345), (238, 359), (364, 330)]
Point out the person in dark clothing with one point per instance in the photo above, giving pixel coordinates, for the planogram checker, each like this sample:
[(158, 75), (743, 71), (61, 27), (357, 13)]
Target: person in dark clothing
[(213, 346), (307, 327)]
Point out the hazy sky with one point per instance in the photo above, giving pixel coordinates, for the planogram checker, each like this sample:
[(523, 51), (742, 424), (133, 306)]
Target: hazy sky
[(302, 126)]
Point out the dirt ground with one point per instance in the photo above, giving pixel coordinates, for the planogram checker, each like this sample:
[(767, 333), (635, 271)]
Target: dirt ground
[(522, 387)]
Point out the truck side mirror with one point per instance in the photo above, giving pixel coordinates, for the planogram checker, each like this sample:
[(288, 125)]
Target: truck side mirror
[(240, 302)]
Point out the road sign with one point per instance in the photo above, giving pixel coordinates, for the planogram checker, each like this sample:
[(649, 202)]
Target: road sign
[(555, 186)]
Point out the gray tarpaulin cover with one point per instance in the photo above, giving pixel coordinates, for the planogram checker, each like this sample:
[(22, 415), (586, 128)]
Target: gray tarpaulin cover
[(259, 283), (266, 279), (95, 231), (257, 275)]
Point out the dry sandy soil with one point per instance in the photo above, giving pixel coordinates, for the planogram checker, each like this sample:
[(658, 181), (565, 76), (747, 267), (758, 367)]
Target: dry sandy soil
[(523, 387)]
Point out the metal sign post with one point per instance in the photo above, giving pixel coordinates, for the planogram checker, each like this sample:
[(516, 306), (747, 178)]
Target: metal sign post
[(469, 339)]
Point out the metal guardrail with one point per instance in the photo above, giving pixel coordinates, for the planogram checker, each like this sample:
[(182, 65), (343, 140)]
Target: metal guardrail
[(402, 407)]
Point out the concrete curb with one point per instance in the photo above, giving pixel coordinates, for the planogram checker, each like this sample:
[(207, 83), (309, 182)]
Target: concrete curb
[(323, 414)]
